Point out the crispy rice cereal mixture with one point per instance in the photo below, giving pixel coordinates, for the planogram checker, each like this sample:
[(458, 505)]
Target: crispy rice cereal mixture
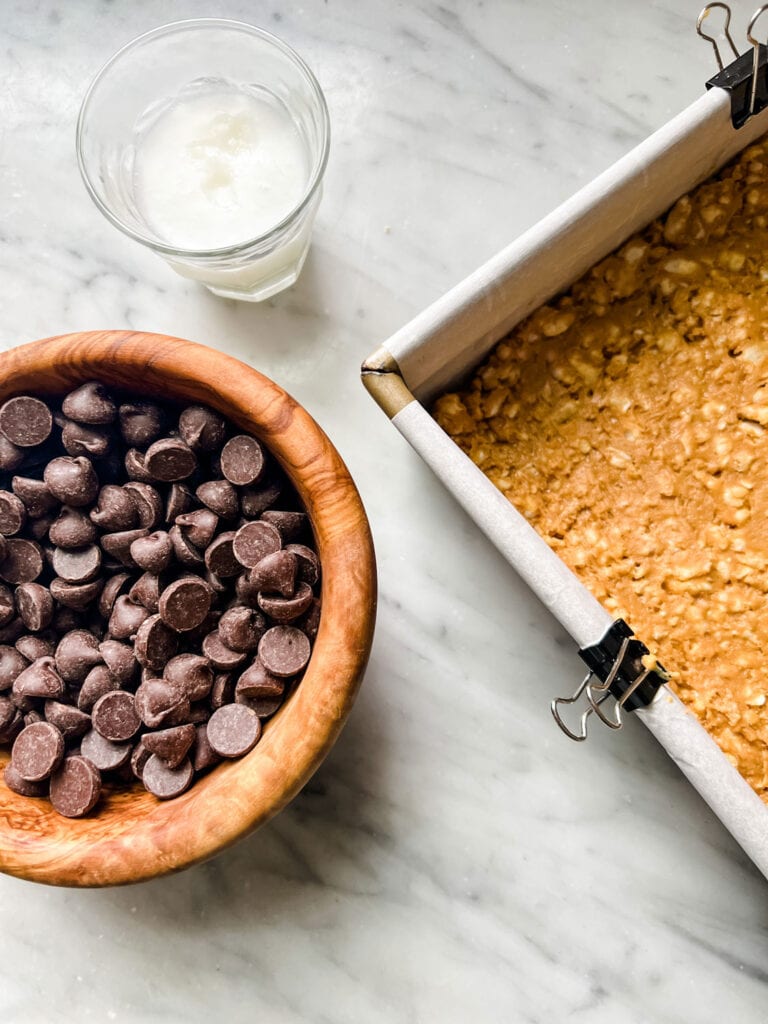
[(628, 421)]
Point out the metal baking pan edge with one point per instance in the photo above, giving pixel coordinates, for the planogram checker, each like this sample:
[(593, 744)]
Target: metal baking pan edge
[(449, 338)]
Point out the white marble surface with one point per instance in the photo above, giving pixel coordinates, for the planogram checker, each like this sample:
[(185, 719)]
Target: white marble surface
[(455, 859)]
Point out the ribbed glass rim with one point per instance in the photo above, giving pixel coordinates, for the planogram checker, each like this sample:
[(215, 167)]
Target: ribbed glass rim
[(237, 248)]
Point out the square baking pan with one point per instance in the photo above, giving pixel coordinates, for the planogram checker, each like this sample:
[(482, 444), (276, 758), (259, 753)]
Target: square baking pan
[(447, 341)]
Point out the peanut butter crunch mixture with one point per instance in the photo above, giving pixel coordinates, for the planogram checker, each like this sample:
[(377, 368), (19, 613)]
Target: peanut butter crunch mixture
[(627, 421)]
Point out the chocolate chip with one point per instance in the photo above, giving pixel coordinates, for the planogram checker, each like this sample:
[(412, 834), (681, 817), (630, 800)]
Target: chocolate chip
[(219, 654), (41, 645), (70, 721), (126, 618), (66, 619), (185, 603), (166, 783), (13, 513), (38, 528), (290, 524), (120, 660), (233, 730), (223, 690), (255, 500), (71, 480), (25, 421), (7, 712), (220, 497), (155, 643), (75, 595), (156, 699), (153, 552), (72, 529), (40, 679), (220, 557), (23, 561), (12, 664), (180, 500), (199, 526), (115, 716), (135, 468), (242, 628), (170, 745), (118, 545), (35, 606), (76, 654), (260, 690), (36, 496), (201, 428), (110, 593), (79, 439), (7, 606), (191, 673), (284, 651), (170, 459), (149, 504), (146, 590), (255, 541), (115, 509), (103, 753), (98, 682), (184, 550), (79, 565), (90, 403), (16, 784), (309, 563), (9, 734), (276, 573), (10, 632), (76, 787), (11, 456), (242, 460), (37, 751), (141, 423), (139, 758), (203, 756), (286, 609)]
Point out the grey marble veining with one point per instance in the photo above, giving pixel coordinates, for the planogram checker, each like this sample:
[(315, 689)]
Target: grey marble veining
[(454, 859)]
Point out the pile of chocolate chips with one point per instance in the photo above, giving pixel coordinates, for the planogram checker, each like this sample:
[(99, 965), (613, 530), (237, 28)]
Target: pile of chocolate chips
[(158, 597)]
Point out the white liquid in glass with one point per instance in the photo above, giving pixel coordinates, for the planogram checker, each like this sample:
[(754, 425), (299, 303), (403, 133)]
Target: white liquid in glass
[(219, 169)]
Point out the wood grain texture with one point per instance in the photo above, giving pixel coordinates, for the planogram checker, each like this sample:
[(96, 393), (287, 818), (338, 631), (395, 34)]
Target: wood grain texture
[(134, 836)]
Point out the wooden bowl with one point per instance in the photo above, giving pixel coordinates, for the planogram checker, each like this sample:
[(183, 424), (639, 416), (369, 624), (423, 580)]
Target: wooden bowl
[(132, 836)]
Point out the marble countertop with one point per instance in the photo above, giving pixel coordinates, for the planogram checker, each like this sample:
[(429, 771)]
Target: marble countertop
[(455, 858)]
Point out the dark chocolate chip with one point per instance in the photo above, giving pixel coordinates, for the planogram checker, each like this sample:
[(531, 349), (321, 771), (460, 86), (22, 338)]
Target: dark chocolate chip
[(32, 647), (110, 593), (153, 552), (186, 552), (69, 720), (115, 716), (286, 609), (202, 428), (220, 557), (37, 751), (284, 651), (79, 565), (191, 673), (72, 528), (76, 654), (233, 730), (71, 480), (16, 784), (40, 679), (198, 526), (310, 623), (92, 442), (115, 509), (156, 699), (254, 541), (135, 468), (7, 606), (7, 712), (90, 403), (223, 690), (104, 754), (146, 590), (259, 685), (38, 528), (11, 456), (100, 680), (12, 664), (185, 604), (9, 734), (11, 631), (242, 460), (141, 423), (155, 643), (35, 606), (120, 660), (309, 563), (126, 618), (276, 573), (219, 654), (148, 502), (220, 497), (139, 758), (170, 459), (25, 421), (171, 745), (203, 755), (179, 501), (76, 787), (76, 595), (290, 524), (36, 496), (241, 628), (13, 513), (166, 783), (255, 500), (23, 561), (118, 545)]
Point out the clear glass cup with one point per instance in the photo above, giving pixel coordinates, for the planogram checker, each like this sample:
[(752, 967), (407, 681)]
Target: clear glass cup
[(146, 77)]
